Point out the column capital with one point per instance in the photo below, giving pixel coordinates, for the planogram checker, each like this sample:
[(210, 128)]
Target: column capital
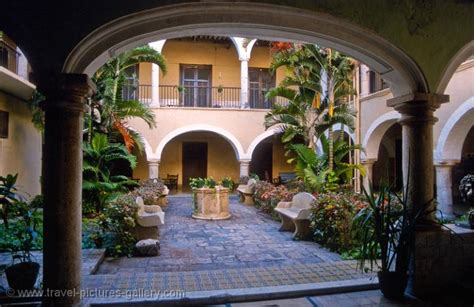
[(66, 91), (445, 163), (417, 107), (244, 161), (368, 161), (153, 161), (244, 58)]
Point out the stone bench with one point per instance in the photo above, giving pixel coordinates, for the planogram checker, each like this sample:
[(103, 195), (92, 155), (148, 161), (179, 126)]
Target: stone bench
[(295, 215), (148, 220), (246, 192), (163, 201)]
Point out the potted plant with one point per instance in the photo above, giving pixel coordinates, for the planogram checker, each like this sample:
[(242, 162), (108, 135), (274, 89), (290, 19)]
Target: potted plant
[(23, 272), (470, 218), (228, 183), (386, 230), (220, 88), (210, 200), (8, 195)]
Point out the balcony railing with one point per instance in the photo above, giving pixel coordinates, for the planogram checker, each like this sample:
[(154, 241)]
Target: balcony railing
[(198, 96)]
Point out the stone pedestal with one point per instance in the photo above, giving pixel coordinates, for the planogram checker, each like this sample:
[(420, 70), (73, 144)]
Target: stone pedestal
[(442, 258), (444, 194), (153, 169), (66, 95), (244, 167), (211, 204)]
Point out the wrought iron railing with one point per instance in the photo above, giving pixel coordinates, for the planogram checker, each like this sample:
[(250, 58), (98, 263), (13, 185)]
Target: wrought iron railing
[(197, 96)]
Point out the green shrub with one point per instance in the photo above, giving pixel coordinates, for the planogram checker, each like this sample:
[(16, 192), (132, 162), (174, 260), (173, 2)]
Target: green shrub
[(331, 220), (117, 223)]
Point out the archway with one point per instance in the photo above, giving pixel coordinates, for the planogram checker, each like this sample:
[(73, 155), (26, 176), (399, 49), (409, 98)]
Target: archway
[(245, 20), (373, 136), (198, 154), (388, 166), (238, 149), (453, 157)]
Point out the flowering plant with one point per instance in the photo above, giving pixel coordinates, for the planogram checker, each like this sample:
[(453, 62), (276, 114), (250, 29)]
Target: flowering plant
[(331, 219)]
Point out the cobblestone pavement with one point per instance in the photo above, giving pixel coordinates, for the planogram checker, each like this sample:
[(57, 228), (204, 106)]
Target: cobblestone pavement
[(249, 239)]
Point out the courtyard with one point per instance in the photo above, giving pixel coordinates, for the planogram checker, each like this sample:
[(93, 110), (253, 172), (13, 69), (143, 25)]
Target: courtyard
[(333, 120)]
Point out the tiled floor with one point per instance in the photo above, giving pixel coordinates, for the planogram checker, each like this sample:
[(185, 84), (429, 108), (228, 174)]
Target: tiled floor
[(362, 298), (249, 239)]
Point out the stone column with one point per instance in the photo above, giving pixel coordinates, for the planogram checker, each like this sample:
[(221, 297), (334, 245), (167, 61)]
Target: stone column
[(153, 169), (369, 166), (444, 194), (244, 167), (66, 95), (244, 82), (417, 122), (155, 86)]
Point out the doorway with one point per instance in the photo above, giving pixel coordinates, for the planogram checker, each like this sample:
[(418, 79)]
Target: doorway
[(262, 161), (194, 161)]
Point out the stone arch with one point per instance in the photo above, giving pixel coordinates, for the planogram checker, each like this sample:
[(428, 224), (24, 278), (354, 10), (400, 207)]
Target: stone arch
[(373, 136), (462, 55), (234, 142), (245, 20), (148, 149), (268, 133), (454, 133), (261, 137)]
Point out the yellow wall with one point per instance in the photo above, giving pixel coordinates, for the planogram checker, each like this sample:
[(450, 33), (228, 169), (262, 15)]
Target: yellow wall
[(279, 159), (21, 151), (221, 159), (222, 57)]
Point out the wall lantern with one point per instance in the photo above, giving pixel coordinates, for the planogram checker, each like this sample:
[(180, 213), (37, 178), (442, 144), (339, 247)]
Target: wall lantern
[(3, 124)]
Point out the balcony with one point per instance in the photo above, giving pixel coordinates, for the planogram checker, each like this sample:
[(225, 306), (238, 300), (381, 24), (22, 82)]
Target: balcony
[(8, 57), (197, 96)]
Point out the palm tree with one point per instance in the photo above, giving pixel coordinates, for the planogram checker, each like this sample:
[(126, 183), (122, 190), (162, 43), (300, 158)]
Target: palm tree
[(314, 90), (338, 70), (113, 110), (99, 183)]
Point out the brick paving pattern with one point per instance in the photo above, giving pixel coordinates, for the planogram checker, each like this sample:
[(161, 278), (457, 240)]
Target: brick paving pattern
[(249, 239)]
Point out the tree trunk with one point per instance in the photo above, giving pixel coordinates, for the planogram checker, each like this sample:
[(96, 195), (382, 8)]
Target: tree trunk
[(330, 148)]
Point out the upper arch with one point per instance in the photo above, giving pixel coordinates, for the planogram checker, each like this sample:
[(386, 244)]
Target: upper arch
[(234, 142), (454, 133), (462, 55), (265, 21), (373, 136)]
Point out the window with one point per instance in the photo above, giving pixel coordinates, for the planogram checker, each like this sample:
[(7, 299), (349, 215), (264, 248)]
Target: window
[(376, 83), (3, 57), (196, 85), (260, 81), (130, 85)]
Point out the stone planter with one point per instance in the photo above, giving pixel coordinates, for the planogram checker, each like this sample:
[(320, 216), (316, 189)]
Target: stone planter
[(211, 204)]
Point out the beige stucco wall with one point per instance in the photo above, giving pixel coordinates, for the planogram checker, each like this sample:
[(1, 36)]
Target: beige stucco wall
[(21, 151), (245, 125), (460, 89)]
